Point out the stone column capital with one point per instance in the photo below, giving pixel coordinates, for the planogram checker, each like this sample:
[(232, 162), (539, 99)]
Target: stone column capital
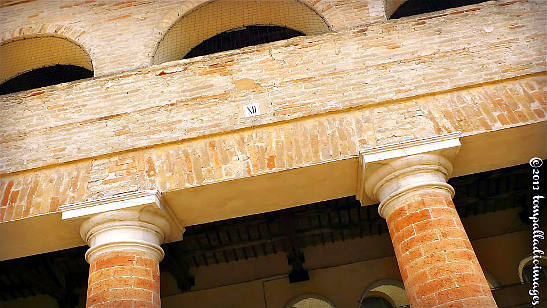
[(136, 221), (393, 171)]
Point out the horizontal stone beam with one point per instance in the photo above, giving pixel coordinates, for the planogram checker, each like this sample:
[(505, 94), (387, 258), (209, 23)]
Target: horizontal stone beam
[(271, 191), (269, 149)]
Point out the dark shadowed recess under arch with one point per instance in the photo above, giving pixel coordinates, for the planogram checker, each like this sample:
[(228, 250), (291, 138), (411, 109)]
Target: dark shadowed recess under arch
[(242, 37), (44, 76), (415, 7)]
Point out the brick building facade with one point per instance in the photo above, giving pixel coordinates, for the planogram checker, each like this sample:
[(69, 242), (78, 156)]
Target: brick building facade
[(384, 109)]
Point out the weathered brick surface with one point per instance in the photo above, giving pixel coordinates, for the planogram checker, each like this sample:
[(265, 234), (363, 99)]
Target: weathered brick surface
[(180, 125), (436, 260), (245, 153), (193, 98), (123, 279), (103, 27), (42, 191)]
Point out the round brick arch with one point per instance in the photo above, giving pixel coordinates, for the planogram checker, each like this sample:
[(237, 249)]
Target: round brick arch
[(30, 42), (307, 19), (391, 290)]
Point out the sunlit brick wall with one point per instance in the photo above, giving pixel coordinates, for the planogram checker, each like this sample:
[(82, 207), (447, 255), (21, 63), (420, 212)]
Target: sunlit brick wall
[(123, 35), (322, 99)]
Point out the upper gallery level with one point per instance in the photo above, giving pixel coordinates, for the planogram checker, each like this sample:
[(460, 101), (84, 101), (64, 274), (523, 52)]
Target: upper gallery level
[(119, 36), (106, 37), (367, 62)]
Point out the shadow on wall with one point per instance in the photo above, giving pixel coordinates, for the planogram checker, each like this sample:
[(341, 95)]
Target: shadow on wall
[(415, 7)]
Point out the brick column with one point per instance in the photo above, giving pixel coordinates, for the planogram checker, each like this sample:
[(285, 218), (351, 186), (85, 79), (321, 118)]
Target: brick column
[(437, 262), (124, 233), (124, 258), (123, 279)]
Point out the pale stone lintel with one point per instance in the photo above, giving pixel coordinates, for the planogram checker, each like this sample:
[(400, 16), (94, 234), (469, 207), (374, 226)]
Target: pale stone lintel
[(410, 147), (128, 200), (372, 159), (136, 200)]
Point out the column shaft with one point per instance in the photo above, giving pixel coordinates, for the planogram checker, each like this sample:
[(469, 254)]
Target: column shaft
[(123, 279), (437, 262)]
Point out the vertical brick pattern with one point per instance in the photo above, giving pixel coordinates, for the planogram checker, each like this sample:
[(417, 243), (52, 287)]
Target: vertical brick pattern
[(123, 279), (31, 193), (437, 262)]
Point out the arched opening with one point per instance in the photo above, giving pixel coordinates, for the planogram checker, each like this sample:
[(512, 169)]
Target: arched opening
[(415, 7), (247, 22), (533, 269), (28, 63), (44, 76), (492, 281), (375, 302), (386, 293), (528, 273), (310, 301), (242, 37)]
